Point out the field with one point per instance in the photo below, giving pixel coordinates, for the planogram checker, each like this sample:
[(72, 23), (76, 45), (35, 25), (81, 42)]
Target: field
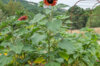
[(34, 35)]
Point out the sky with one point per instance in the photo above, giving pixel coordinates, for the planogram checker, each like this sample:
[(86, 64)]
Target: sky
[(84, 3)]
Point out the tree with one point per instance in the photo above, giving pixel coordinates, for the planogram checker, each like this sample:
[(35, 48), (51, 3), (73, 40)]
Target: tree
[(94, 20), (2, 6), (78, 17), (12, 7)]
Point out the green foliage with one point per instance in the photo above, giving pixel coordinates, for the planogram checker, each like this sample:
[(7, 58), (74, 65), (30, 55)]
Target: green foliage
[(2, 6), (2, 11), (43, 40), (1, 15), (93, 20), (52, 25), (68, 45), (12, 7), (79, 17), (52, 64), (5, 60)]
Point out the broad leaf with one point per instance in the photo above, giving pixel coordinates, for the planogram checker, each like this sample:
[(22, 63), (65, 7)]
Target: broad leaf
[(20, 32), (37, 18), (67, 45), (5, 43), (71, 60), (60, 60), (52, 64), (28, 48), (17, 47), (64, 55), (6, 30), (39, 60), (37, 38), (62, 17), (55, 25), (5, 60), (48, 11)]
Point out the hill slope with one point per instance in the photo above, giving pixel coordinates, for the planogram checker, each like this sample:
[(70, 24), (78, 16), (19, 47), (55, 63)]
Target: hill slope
[(26, 4)]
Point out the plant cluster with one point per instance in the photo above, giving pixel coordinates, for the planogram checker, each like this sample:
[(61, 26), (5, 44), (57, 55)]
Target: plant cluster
[(44, 40)]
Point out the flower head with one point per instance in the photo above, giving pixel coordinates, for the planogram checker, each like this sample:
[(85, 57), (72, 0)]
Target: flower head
[(23, 18), (5, 54), (0, 54), (50, 2)]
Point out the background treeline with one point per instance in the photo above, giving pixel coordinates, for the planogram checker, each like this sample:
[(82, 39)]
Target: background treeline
[(79, 17)]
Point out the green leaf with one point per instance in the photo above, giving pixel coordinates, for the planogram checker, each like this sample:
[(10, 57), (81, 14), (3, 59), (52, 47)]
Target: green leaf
[(27, 65), (87, 29), (17, 23), (89, 60), (60, 60), (55, 25), (62, 17), (28, 48), (5, 43), (68, 45), (6, 30), (47, 11), (5, 60), (68, 22), (86, 60), (37, 18), (64, 55), (70, 61), (43, 22), (75, 55), (39, 60), (20, 32), (17, 47), (52, 64), (36, 38), (3, 24)]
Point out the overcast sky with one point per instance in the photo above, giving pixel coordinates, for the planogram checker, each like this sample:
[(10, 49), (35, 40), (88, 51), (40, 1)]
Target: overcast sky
[(84, 4)]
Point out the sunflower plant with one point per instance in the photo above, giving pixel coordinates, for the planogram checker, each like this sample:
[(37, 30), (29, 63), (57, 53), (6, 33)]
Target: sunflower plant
[(44, 41)]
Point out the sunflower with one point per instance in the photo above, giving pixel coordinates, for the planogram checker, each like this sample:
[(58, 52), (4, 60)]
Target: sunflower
[(50, 2), (22, 18)]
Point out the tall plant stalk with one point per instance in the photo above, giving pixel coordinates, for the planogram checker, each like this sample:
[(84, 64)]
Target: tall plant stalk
[(49, 34)]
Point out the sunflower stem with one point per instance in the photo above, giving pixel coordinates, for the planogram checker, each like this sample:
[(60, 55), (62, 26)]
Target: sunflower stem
[(49, 44)]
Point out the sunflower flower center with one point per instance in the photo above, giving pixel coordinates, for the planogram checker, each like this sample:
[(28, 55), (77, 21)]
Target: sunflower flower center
[(50, 1)]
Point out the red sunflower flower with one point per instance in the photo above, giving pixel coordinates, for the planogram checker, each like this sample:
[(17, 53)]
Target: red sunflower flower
[(23, 18), (50, 2)]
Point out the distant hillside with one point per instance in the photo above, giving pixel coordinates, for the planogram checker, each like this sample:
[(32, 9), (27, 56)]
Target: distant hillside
[(31, 7)]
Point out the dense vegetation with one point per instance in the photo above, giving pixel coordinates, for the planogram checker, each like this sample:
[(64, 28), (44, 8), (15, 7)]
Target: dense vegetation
[(93, 20), (43, 40), (79, 17)]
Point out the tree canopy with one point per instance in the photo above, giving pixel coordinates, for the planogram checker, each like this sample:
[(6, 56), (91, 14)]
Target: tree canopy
[(78, 17), (93, 20)]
